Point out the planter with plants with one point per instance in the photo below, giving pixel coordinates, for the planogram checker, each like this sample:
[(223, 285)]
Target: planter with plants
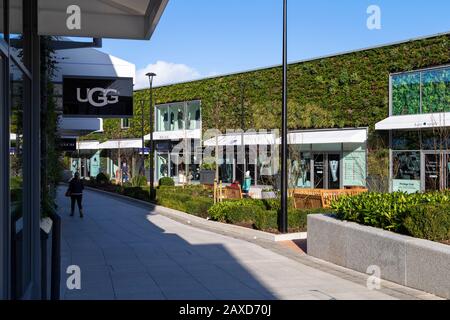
[(398, 233)]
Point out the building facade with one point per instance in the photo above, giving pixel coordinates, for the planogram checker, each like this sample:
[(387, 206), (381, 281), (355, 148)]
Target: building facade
[(343, 117)]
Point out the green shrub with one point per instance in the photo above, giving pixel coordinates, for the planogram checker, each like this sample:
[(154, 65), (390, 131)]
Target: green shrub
[(384, 210), (139, 181), (137, 193), (430, 222), (229, 211), (102, 179), (255, 212), (127, 185), (166, 181), (199, 207), (266, 220)]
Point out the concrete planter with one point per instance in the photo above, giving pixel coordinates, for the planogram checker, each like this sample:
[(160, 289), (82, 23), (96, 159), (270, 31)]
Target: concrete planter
[(415, 263)]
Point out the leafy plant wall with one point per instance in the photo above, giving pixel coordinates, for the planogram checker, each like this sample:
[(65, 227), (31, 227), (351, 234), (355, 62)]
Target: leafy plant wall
[(349, 90)]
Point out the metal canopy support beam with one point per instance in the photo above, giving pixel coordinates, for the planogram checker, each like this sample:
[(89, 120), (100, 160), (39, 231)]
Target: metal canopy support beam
[(31, 144), (5, 219), (65, 44)]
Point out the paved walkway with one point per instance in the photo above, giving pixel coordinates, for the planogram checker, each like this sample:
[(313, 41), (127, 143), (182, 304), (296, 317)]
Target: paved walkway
[(126, 252)]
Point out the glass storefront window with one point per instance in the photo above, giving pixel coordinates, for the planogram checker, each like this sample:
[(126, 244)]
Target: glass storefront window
[(419, 92), (178, 116), (162, 165), (193, 115), (406, 94), (162, 118), (436, 140), (406, 140), (436, 91), (19, 221), (406, 171)]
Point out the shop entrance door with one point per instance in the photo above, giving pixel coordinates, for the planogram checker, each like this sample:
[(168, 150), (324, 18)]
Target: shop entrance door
[(327, 170), (437, 171)]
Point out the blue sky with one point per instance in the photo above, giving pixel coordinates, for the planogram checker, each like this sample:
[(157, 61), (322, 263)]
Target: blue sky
[(199, 38)]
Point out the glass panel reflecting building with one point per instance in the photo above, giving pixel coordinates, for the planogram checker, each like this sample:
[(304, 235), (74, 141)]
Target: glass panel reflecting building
[(420, 157)]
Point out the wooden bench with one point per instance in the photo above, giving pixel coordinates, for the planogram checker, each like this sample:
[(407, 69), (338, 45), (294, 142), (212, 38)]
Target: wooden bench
[(320, 198)]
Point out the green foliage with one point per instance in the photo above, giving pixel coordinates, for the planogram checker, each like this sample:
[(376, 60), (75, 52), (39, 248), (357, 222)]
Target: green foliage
[(429, 221), (261, 214), (349, 90), (102, 178), (166, 181), (239, 210), (384, 210), (193, 200), (139, 181), (137, 193)]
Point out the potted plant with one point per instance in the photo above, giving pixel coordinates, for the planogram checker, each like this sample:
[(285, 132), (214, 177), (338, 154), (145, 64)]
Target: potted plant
[(208, 172)]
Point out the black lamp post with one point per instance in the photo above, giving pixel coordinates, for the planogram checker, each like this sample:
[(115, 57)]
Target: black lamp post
[(150, 76), (283, 217)]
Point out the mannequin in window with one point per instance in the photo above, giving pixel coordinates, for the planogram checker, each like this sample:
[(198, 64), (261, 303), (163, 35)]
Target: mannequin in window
[(172, 121), (180, 120), (166, 121)]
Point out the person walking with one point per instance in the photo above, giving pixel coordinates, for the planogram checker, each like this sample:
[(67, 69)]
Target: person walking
[(75, 192), (246, 185)]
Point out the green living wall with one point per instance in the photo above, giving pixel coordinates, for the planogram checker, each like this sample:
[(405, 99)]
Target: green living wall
[(347, 90)]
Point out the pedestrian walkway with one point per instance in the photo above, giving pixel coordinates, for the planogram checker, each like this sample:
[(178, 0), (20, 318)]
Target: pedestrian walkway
[(126, 252)]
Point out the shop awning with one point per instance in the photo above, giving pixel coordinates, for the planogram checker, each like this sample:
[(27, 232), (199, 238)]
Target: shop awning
[(121, 19), (419, 121), (328, 136), (176, 135), (79, 126), (236, 140), (88, 145), (121, 144)]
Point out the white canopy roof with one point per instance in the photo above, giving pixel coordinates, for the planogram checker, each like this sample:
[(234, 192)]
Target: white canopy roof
[(419, 121), (328, 136), (88, 145), (236, 140), (121, 144), (122, 19), (300, 137)]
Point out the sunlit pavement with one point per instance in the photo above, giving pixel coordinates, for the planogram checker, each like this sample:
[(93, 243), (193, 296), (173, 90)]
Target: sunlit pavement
[(126, 252)]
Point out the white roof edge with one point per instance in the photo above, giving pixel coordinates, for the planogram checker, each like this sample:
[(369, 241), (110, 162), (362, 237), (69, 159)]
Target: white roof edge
[(418, 121)]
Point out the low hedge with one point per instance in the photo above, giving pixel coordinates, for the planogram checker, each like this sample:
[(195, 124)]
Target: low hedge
[(260, 214), (166, 181), (412, 214), (430, 222)]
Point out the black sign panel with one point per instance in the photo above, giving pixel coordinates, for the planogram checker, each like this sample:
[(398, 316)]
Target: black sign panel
[(67, 144), (98, 97)]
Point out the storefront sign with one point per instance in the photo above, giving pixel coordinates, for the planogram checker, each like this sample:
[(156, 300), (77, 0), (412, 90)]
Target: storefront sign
[(98, 97), (66, 144), (408, 186), (354, 168)]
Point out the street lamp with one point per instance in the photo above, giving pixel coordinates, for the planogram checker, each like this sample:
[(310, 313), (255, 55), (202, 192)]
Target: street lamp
[(142, 169), (283, 218), (150, 76)]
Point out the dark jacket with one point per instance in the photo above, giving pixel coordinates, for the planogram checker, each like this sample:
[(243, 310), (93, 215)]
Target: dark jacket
[(76, 187)]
